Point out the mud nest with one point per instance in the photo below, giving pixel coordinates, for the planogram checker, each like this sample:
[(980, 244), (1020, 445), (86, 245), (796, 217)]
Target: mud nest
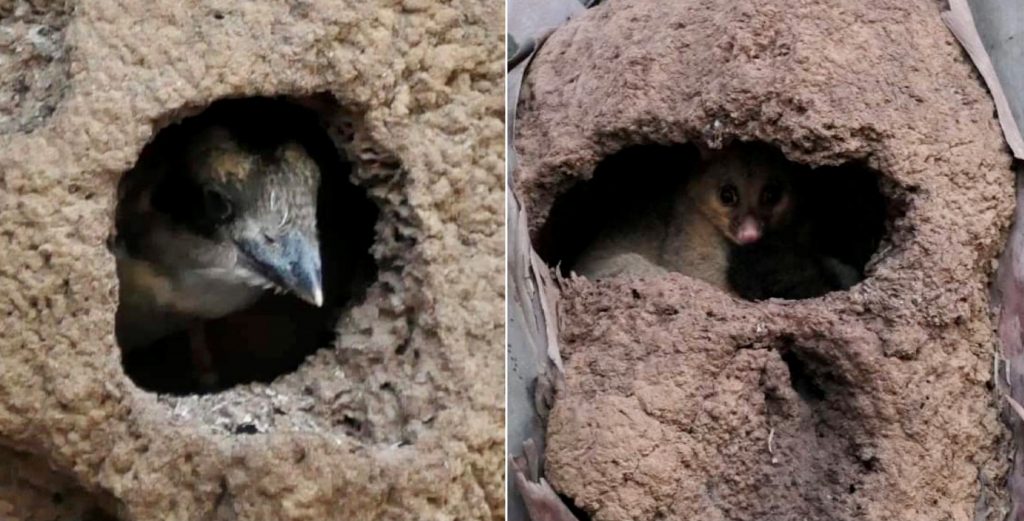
[(400, 415), (272, 337), (682, 402)]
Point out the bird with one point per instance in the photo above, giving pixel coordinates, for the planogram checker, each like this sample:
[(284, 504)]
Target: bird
[(208, 221)]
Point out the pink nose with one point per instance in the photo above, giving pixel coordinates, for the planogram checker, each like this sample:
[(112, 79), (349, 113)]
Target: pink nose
[(749, 232)]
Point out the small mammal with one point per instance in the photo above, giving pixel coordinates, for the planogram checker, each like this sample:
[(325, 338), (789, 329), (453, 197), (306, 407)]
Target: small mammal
[(204, 226), (734, 223), (734, 197)]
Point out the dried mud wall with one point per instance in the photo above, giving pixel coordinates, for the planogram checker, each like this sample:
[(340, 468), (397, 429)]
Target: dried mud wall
[(681, 402), (418, 364)]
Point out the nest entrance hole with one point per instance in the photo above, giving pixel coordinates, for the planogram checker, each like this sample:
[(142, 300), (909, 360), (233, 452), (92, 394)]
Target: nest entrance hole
[(279, 331), (842, 208)]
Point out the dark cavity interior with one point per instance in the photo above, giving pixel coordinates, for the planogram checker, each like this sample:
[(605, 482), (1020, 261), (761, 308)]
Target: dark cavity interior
[(842, 207), (274, 335)]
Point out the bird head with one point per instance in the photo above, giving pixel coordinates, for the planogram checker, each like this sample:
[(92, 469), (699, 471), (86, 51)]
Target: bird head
[(258, 207)]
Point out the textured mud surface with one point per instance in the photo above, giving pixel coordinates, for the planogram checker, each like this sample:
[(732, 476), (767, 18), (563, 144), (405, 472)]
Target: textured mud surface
[(33, 61), (29, 489), (402, 417), (681, 402)]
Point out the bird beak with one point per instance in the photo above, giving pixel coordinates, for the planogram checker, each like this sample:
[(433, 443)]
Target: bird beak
[(291, 262)]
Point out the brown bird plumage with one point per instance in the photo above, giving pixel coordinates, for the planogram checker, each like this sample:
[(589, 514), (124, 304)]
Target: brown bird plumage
[(206, 224)]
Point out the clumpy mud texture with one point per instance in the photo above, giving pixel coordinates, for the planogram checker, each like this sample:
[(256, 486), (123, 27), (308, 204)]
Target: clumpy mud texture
[(681, 402), (399, 418), (276, 334), (33, 61), (31, 491)]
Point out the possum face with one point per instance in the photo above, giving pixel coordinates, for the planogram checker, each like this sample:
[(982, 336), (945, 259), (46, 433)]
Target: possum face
[(745, 192)]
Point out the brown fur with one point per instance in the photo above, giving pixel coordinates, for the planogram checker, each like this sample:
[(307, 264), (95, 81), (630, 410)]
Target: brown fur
[(693, 238), (750, 169)]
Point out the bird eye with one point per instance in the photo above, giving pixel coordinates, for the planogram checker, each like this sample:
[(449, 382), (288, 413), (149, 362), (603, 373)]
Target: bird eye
[(729, 195), (771, 195), (216, 205)]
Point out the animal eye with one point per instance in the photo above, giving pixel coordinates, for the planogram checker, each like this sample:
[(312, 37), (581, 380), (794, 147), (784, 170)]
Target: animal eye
[(771, 194), (729, 195), (216, 205)]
